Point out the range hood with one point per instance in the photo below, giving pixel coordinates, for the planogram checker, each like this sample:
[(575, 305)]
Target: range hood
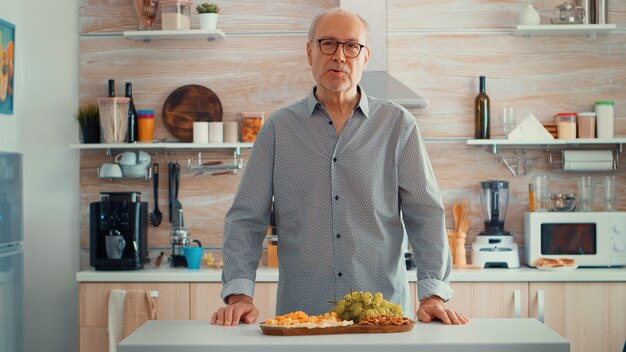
[(376, 81)]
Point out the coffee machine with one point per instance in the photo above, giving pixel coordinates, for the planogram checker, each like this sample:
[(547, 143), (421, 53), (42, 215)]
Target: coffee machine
[(494, 247), (118, 226)]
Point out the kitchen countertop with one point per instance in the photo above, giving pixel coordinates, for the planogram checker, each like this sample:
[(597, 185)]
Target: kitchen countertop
[(484, 335), (264, 274)]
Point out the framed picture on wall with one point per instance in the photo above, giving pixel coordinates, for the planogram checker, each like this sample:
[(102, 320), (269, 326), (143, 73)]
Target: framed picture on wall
[(7, 66)]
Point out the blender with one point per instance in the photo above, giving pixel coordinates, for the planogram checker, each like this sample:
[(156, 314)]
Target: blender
[(494, 247)]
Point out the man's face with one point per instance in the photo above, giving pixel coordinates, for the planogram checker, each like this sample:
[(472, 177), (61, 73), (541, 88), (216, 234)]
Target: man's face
[(336, 72)]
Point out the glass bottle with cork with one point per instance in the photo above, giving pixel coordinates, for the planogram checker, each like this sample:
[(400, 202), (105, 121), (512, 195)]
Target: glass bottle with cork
[(481, 112)]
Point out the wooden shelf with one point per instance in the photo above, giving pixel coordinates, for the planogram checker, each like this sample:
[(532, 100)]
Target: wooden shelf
[(590, 30), (544, 142), (128, 146), (147, 36)]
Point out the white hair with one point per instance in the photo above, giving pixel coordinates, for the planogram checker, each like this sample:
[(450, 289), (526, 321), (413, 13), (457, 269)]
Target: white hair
[(341, 11)]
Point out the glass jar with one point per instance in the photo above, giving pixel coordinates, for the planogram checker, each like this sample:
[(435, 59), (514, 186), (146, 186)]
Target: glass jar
[(566, 125), (175, 14), (251, 123)]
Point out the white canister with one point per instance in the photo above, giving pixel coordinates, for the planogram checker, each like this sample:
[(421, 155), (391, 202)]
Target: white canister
[(230, 132), (201, 132), (604, 119), (216, 132)]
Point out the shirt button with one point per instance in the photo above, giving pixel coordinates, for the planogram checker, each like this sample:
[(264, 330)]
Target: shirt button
[(336, 197), (338, 236), (339, 274), (330, 122), (335, 159)]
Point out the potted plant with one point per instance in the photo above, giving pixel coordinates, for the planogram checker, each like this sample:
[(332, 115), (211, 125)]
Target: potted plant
[(88, 117), (208, 16)]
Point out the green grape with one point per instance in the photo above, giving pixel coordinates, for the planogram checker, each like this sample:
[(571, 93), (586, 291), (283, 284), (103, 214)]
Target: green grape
[(384, 304), (368, 295), (367, 300), (340, 308), (357, 311), (369, 313), (378, 295), (356, 305), (356, 296), (347, 297), (342, 302), (381, 311)]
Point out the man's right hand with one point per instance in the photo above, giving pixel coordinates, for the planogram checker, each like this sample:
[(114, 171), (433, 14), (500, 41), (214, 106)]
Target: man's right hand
[(239, 308)]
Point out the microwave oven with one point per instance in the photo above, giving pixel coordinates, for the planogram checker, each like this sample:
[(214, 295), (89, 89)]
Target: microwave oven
[(593, 239)]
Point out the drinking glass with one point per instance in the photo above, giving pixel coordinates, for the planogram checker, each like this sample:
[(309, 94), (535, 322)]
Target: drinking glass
[(509, 119), (608, 192), (541, 186), (585, 193)]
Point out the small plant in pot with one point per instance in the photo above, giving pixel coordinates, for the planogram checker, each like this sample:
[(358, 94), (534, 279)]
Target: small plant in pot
[(88, 117), (208, 16)]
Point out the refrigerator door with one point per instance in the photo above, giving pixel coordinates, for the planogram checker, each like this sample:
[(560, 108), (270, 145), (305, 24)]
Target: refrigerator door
[(11, 301), (10, 198)]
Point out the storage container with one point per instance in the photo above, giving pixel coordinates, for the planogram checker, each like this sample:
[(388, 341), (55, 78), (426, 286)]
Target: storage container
[(604, 119), (586, 125), (566, 125), (175, 14), (251, 124)]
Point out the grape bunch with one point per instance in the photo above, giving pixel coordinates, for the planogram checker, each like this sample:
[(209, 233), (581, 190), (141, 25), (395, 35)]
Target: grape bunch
[(357, 305)]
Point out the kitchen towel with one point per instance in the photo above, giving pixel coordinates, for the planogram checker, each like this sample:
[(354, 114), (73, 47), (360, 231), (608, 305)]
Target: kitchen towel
[(530, 129), (138, 308), (116, 318)]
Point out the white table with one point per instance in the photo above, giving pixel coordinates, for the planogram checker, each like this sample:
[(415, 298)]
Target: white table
[(484, 335)]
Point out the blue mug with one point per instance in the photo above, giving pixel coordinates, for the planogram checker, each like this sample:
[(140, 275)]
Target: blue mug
[(193, 256)]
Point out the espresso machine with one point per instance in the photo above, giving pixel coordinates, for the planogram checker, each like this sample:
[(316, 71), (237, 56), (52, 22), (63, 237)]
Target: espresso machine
[(118, 226), (494, 247)]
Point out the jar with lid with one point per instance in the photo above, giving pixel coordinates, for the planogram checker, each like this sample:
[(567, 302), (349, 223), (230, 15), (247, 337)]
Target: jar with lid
[(175, 14), (605, 116), (566, 125), (586, 125), (251, 124)]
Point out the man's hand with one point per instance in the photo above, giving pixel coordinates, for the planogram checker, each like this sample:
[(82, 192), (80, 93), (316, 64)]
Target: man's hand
[(433, 307), (239, 308)]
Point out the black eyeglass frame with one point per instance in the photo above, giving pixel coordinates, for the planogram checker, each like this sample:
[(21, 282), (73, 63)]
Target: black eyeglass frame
[(343, 46)]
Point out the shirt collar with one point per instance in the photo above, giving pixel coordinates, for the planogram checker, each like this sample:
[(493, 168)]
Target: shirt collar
[(363, 104)]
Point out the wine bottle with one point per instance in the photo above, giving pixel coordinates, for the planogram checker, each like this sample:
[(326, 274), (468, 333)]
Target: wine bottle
[(481, 112), (111, 88), (133, 130)]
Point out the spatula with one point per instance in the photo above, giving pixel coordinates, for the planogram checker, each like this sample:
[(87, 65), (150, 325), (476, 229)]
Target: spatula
[(156, 216)]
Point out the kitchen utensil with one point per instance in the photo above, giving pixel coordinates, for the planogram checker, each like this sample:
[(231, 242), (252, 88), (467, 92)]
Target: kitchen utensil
[(350, 329), (568, 13), (156, 216), (146, 11), (139, 170), (562, 202), (457, 213), (110, 170), (188, 104)]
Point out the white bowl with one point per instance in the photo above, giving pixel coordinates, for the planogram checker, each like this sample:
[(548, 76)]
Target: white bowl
[(138, 170)]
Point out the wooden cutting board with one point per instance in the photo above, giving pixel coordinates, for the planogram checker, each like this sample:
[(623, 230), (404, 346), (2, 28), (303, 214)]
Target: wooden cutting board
[(350, 329), (189, 104)]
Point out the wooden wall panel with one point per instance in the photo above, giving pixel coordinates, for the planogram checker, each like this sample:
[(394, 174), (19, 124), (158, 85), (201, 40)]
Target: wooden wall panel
[(407, 15), (261, 67), (235, 15)]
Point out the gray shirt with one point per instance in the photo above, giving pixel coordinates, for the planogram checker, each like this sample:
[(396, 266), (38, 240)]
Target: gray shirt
[(342, 204)]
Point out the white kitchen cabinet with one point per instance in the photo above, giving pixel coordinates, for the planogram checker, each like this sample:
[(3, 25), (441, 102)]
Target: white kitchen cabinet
[(490, 299), (206, 299), (172, 303), (590, 315)]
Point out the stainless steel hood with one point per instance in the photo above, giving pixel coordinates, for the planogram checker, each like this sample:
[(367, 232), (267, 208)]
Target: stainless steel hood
[(376, 81)]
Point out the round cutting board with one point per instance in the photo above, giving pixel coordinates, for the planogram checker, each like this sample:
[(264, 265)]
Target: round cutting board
[(189, 104)]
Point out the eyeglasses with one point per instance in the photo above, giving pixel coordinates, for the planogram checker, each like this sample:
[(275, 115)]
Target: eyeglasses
[(329, 47)]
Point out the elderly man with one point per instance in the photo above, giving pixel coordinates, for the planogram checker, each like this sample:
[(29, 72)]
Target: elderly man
[(348, 174)]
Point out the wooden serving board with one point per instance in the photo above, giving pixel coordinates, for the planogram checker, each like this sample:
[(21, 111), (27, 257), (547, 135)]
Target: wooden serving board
[(350, 329), (189, 104)]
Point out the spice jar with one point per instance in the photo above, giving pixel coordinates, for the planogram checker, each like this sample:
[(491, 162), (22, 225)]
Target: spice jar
[(566, 125), (251, 123)]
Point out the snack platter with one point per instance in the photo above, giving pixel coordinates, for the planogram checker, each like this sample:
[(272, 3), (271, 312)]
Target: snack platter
[(350, 329)]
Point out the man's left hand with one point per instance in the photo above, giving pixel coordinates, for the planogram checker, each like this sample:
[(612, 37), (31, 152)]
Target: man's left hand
[(433, 307)]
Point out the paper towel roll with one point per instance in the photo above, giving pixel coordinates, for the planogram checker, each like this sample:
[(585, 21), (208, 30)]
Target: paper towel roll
[(588, 160), (201, 132), (230, 132), (216, 132)]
